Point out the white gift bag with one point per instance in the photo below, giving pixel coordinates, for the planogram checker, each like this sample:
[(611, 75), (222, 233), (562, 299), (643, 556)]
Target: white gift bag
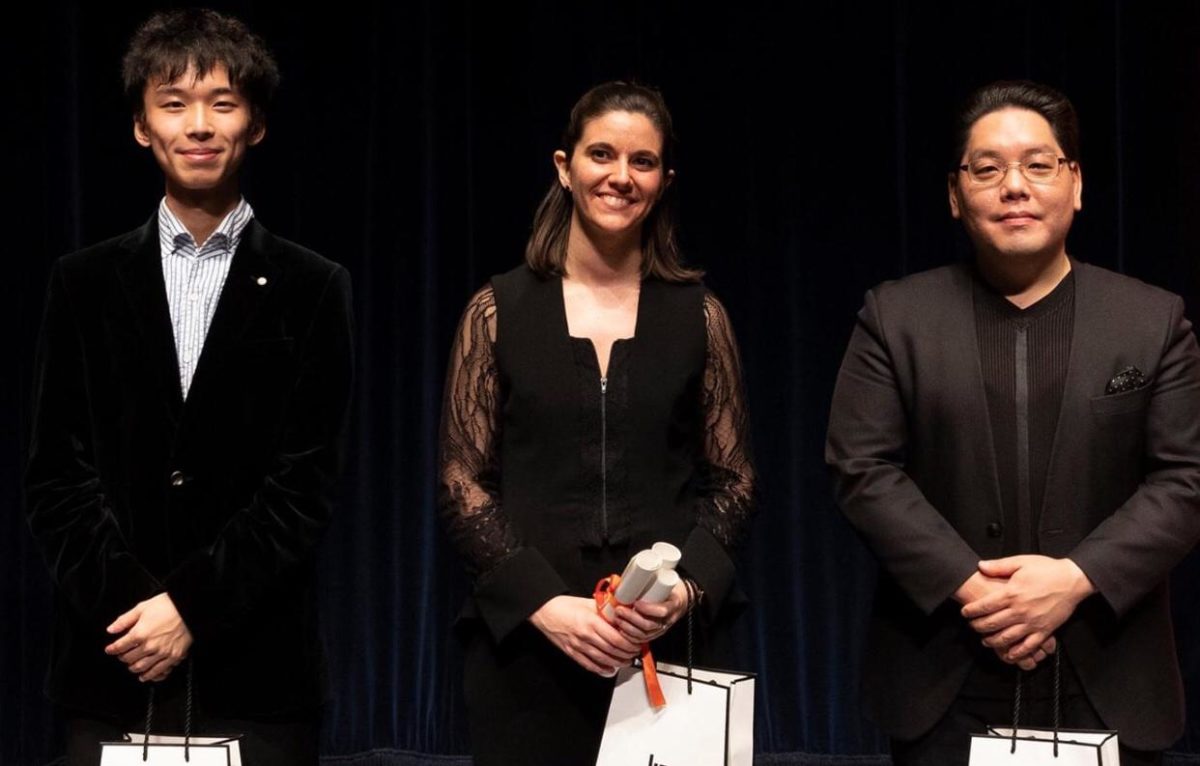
[(169, 750), (148, 749), (711, 726), (1036, 747), (1031, 746)]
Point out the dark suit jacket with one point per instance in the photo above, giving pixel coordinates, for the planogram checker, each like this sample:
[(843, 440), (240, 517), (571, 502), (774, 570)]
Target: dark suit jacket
[(911, 452), (218, 501)]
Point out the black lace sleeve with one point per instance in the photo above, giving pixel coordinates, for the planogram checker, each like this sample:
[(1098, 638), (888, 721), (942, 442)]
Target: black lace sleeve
[(729, 482), (469, 476), (727, 493)]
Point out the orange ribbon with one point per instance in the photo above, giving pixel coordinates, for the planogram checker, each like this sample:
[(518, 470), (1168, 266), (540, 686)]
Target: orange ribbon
[(606, 595)]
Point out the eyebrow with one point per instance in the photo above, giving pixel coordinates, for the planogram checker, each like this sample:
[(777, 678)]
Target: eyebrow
[(1040, 149), (175, 90), (610, 147)]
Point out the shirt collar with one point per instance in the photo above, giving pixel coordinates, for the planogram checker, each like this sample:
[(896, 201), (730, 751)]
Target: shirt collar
[(1062, 294), (173, 235)]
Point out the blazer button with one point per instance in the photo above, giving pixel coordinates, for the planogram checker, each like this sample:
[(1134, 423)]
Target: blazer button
[(995, 529), (177, 479)]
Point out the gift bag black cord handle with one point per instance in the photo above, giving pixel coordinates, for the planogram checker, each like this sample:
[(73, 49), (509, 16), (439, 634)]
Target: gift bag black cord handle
[(149, 720), (1057, 702), (1016, 712), (187, 716), (187, 719), (691, 593)]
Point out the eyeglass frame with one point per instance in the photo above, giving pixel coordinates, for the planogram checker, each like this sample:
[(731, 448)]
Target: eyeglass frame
[(1020, 165)]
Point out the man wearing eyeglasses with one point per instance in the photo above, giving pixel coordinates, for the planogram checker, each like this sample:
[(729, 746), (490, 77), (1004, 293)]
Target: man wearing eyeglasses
[(1018, 442)]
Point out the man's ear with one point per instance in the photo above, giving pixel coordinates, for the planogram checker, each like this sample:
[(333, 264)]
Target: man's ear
[(257, 133), (1078, 171), (140, 133), (952, 190)]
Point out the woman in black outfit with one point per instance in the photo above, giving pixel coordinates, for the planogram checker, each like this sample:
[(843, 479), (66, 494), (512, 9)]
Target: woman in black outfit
[(593, 407)]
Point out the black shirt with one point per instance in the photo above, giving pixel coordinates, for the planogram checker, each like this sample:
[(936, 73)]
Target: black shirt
[(1023, 354)]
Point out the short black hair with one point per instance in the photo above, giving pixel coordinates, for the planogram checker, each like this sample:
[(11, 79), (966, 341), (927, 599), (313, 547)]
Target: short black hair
[(1018, 94), (170, 42)]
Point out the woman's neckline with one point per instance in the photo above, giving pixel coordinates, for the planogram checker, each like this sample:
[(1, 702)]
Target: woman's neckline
[(566, 327)]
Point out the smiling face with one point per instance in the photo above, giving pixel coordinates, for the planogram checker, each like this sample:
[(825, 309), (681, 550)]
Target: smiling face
[(198, 130), (615, 174), (1016, 218)]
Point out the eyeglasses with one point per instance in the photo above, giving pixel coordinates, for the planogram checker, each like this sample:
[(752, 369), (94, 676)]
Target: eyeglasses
[(1037, 168)]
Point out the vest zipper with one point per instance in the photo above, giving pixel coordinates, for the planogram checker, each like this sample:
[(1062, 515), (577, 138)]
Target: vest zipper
[(604, 459)]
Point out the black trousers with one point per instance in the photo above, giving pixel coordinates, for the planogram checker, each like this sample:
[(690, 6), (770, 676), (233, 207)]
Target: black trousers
[(291, 742), (528, 704), (987, 700)]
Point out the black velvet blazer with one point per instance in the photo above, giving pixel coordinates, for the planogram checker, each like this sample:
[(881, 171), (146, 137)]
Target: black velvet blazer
[(916, 475), (219, 501)]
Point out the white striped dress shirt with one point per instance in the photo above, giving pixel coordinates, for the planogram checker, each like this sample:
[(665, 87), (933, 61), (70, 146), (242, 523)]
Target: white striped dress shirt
[(194, 275)]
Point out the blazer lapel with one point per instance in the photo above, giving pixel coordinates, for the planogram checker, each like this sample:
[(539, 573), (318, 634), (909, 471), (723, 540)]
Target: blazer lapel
[(140, 274), (959, 337), (252, 277), (1085, 366)]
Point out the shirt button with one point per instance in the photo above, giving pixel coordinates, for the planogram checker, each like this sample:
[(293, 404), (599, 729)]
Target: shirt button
[(177, 479), (995, 529), (193, 296)]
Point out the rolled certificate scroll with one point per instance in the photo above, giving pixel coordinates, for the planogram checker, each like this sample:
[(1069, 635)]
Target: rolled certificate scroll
[(669, 554), (663, 585), (637, 578), (650, 576)]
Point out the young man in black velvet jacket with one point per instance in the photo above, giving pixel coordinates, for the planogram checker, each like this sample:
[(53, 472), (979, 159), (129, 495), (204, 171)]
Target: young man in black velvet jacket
[(192, 388)]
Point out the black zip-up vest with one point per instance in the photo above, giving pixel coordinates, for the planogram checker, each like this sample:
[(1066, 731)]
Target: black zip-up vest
[(588, 462)]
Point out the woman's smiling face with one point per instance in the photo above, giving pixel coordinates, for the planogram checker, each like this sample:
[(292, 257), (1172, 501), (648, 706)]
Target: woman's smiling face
[(615, 172)]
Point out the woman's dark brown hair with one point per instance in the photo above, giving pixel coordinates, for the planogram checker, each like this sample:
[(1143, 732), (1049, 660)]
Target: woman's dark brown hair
[(546, 251)]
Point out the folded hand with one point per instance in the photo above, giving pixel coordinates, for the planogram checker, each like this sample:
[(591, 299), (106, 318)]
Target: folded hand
[(1036, 595), (155, 639), (642, 622), (573, 625)]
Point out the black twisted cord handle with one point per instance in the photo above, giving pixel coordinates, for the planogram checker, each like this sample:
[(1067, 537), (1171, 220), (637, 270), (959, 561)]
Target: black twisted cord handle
[(187, 719), (187, 716), (1057, 702), (1016, 711), (149, 720), (691, 591)]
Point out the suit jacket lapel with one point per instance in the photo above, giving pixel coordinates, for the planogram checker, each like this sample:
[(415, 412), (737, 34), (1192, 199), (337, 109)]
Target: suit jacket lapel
[(252, 277), (140, 274), (960, 338), (1089, 350)]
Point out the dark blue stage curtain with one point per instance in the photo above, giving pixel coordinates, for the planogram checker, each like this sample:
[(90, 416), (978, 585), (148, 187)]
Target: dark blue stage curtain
[(411, 142)]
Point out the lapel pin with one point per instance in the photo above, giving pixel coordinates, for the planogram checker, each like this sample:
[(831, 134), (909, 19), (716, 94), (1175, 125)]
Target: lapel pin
[(261, 281)]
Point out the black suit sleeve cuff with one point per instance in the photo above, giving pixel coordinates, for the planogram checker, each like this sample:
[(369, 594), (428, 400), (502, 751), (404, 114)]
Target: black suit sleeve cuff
[(706, 561), (955, 574), (1091, 561), (514, 589), (192, 587), (127, 584)]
